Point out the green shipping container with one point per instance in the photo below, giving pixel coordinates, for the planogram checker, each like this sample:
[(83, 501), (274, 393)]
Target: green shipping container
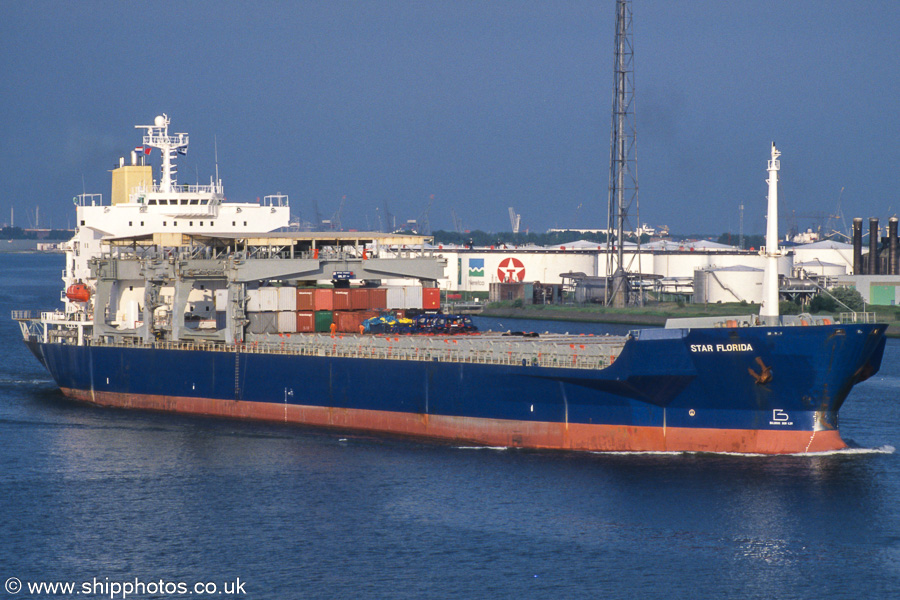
[(323, 320)]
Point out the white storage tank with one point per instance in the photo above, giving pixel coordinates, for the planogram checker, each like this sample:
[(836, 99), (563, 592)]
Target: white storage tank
[(820, 267), (728, 284)]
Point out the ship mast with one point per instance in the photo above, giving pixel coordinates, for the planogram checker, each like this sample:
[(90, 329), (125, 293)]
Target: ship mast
[(769, 309), (169, 145)]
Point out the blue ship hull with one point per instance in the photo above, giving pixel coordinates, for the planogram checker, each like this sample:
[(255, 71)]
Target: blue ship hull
[(747, 389)]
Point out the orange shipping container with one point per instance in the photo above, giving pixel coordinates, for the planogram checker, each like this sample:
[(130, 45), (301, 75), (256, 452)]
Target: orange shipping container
[(431, 298), (305, 299), (341, 300), (378, 298), (306, 322), (324, 299), (359, 299), (349, 321)]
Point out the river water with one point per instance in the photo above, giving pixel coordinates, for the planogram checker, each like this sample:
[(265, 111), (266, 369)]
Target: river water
[(107, 498)]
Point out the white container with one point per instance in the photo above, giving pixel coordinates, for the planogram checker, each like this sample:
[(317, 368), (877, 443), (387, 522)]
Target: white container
[(253, 304), (268, 299), (287, 321), (404, 296), (396, 298), (413, 296), (287, 298)]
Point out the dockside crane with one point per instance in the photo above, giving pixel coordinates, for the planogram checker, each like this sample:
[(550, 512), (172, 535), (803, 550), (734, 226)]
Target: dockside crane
[(389, 223), (336, 218), (515, 220), (457, 222), (422, 223)]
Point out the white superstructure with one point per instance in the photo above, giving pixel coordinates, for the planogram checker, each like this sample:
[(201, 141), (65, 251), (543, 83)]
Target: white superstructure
[(139, 205)]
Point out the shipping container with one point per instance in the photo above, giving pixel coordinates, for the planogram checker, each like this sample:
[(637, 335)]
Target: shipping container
[(324, 319), (268, 299), (341, 299), (350, 321), (404, 296), (378, 298), (431, 298), (306, 299), (395, 297), (252, 301), (413, 296), (306, 322), (287, 298), (324, 299), (287, 321), (263, 322), (359, 299)]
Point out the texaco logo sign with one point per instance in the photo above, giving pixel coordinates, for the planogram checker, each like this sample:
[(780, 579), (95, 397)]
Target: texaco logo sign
[(511, 269)]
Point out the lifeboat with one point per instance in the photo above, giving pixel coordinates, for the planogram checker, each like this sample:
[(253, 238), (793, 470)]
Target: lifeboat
[(78, 292)]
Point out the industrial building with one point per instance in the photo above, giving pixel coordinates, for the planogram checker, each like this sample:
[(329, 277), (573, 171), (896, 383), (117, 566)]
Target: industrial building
[(699, 271)]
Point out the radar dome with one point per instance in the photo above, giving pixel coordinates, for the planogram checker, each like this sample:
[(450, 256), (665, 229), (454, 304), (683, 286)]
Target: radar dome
[(159, 121)]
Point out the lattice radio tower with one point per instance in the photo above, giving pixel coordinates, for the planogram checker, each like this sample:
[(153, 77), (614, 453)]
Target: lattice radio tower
[(623, 187)]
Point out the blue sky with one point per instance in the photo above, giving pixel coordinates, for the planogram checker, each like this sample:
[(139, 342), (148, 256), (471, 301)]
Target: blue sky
[(484, 105)]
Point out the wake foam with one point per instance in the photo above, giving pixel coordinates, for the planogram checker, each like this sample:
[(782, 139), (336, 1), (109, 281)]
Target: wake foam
[(886, 449)]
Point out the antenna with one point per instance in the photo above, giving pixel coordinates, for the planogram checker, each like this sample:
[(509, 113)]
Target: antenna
[(741, 243), (216, 153), (623, 187)]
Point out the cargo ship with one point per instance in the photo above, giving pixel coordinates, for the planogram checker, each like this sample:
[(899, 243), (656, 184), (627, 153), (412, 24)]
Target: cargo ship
[(222, 321)]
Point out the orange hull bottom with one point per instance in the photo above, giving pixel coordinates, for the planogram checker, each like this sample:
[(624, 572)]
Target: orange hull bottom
[(490, 432)]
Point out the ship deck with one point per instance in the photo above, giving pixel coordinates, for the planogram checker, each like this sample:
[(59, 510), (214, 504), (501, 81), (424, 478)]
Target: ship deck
[(546, 350)]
